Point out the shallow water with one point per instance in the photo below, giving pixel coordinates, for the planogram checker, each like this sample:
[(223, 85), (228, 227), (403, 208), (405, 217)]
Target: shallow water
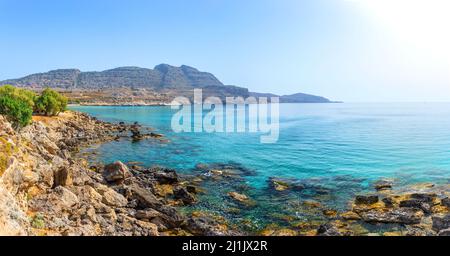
[(337, 148)]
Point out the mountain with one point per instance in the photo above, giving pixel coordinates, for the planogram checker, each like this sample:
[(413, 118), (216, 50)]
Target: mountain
[(294, 98), (143, 85), (161, 77)]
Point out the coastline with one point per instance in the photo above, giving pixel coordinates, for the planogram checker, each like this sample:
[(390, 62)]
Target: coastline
[(55, 193), (45, 190)]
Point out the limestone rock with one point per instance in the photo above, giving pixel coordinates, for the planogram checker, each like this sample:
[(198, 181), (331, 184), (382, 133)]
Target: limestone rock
[(116, 172), (370, 199)]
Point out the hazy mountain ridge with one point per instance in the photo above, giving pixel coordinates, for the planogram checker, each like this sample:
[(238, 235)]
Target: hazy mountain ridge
[(162, 76), (294, 98), (163, 79)]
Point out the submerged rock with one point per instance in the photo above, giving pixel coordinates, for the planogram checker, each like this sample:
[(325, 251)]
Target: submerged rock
[(281, 185), (238, 197), (383, 185)]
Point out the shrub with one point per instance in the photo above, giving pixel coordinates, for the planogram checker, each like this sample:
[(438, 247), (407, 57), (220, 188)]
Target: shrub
[(16, 105), (38, 221), (25, 95), (50, 103)]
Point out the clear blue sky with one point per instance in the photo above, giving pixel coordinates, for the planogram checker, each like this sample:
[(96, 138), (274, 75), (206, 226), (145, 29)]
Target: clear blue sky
[(343, 49)]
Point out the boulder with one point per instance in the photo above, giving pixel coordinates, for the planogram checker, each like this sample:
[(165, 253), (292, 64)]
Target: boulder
[(66, 196), (399, 216), (147, 214), (116, 172), (144, 197), (166, 176), (441, 222), (112, 198), (424, 197), (418, 204), (328, 230), (207, 226), (388, 202), (445, 202), (445, 232), (350, 216), (368, 200), (182, 194), (62, 177)]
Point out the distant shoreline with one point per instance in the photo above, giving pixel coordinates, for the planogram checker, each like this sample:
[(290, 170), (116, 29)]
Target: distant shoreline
[(168, 105)]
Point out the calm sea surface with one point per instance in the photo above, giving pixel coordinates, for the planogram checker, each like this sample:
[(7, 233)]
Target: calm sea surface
[(343, 148)]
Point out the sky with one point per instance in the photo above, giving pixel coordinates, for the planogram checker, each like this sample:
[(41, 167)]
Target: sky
[(347, 50)]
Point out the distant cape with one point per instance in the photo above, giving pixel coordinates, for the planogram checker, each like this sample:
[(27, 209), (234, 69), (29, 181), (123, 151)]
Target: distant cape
[(162, 79)]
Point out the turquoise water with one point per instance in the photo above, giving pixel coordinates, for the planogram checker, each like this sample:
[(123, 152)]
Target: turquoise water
[(342, 148)]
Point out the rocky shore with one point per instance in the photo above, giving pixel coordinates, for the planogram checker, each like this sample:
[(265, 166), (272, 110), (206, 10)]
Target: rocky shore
[(46, 188)]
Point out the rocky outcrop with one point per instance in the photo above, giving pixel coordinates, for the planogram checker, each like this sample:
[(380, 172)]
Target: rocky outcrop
[(45, 190)]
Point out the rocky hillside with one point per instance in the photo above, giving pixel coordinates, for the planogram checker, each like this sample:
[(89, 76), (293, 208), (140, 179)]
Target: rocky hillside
[(142, 86), (163, 78), (45, 190)]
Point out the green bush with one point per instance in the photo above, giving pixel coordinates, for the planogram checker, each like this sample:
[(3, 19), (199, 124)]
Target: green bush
[(16, 105), (27, 96), (50, 103)]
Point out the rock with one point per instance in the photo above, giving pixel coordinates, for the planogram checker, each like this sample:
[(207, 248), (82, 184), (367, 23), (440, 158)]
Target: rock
[(116, 172), (147, 214), (418, 204), (388, 202), (400, 216), (68, 198), (368, 200), (441, 222), (383, 185), (328, 230), (216, 172), (182, 194), (238, 197), (284, 232), (145, 198), (312, 204), (329, 213), (62, 177), (206, 226), (278, 185), (281, 185), (148, 229), (112, 198), (445, 202), (166, 176), (192, 189), (445, 232), (350, 216), (424, 197)]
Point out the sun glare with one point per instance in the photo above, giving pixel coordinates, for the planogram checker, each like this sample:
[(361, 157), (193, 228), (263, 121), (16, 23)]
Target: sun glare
[(421, 24)]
